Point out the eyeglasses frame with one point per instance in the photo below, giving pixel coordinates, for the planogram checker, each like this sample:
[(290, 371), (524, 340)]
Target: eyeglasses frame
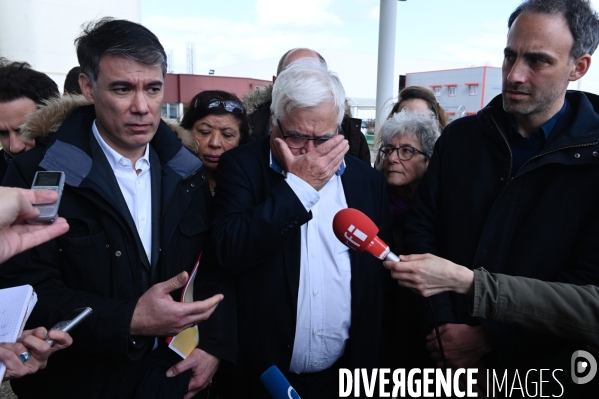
[(396, 149), (305, 138)]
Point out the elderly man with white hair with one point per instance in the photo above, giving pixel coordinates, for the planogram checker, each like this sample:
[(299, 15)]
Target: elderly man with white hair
[(305, 302)]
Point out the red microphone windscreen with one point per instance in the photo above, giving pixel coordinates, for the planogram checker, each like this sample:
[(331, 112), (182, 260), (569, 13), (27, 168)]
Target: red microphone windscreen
[(354, 229)]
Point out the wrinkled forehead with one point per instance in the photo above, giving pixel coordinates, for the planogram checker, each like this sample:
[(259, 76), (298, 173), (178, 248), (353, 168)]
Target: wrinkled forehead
[(326, 111), (401, 136), (538, 31), (117, 67), (320, 112)]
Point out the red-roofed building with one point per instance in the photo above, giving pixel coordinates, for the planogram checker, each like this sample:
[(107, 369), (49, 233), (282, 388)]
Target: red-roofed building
[(179, 89)]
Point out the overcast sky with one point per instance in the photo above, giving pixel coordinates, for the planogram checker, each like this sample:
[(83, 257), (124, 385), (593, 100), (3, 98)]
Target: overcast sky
[(247, 37)]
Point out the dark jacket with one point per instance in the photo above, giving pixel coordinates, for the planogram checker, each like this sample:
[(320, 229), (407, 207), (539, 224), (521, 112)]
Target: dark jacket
[(543, 223), (4, 162), (101, 263), (256, 235), (257, 104)]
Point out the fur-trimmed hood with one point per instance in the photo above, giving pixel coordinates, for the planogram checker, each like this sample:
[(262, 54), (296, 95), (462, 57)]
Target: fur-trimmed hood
[(257, 97), (262, 94), (48, 118), (186, 136)]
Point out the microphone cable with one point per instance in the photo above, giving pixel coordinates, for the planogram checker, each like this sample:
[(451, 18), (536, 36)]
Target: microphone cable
[(438, 335)]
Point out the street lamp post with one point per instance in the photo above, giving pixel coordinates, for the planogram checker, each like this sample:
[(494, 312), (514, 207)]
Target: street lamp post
[(386, 59)]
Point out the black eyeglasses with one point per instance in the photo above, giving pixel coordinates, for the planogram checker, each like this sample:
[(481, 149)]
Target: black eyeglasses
[(298, 142), (230, 106), (404, 153)]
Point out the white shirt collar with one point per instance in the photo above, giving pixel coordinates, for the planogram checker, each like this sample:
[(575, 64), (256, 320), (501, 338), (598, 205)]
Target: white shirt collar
[(114, 158)]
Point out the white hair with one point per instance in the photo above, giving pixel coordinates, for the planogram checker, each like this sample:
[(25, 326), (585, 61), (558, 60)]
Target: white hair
[(307, 83), (422, 125)]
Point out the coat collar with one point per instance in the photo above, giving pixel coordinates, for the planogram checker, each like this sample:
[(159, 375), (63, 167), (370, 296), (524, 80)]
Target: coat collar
[(573, 141), (70, 151), (583, 126)]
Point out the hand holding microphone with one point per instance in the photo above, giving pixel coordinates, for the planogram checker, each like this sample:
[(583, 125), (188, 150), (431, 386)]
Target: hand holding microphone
[(429, 275), (357, 231), (354, 229), (424, 274)]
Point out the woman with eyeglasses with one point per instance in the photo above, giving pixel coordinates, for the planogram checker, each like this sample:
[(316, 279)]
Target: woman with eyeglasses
[(416, 99), (218, 122), (407, 141)]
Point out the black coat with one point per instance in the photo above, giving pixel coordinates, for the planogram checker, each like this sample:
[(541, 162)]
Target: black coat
[(256, 235), (543, 223), (3, 163), (101, 263)]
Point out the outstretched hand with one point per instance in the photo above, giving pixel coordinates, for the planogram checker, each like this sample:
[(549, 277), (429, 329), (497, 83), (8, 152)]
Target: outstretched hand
[(157, 314), (15, 208), (429, 274)]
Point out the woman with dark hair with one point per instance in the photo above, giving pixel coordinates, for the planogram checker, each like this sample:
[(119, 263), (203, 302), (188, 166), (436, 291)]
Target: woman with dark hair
[(218, 122), (418, 98)]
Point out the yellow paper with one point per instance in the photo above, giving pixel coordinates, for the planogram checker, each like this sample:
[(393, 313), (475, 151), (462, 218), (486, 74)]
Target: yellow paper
[(186, 341)]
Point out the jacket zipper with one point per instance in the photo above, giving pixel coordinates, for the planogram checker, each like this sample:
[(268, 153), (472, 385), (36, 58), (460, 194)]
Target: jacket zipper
[(508, 178), (536, 156)]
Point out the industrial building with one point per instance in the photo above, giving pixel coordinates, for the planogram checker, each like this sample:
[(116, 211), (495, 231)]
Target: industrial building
[(460, 91), (179, 89)]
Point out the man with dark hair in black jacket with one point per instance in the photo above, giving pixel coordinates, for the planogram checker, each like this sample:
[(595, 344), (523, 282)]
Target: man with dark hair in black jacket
[(22, 90), (138, 204), (511, 189)]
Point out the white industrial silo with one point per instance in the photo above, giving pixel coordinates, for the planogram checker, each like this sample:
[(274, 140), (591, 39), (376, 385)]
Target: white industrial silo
[(41, 32)]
